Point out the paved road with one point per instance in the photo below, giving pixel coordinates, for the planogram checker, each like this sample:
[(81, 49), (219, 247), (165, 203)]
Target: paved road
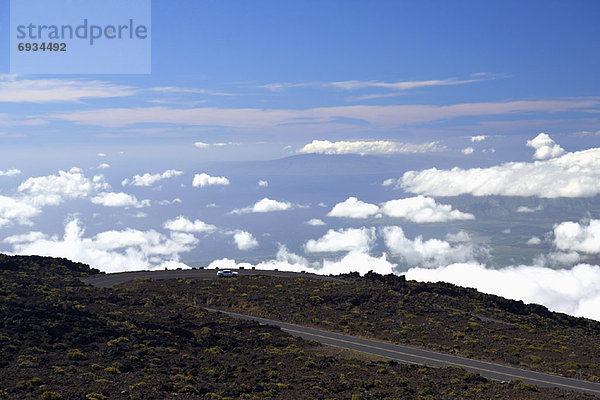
[(396, 352), (110, 280)]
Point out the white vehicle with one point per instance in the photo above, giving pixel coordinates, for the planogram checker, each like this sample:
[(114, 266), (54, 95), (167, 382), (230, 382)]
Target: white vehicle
[(226, 273)]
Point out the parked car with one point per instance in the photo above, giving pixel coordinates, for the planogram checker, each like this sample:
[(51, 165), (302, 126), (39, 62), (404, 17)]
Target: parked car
[(226, 273)]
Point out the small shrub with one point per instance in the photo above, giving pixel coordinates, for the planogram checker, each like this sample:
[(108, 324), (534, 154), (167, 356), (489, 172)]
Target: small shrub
[(51, 396), (215, 350), (95, 396), (76, 354)]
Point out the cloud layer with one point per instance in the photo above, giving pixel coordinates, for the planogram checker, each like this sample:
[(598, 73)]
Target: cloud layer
[(367, 147), (109, 251), (574, 174), (575, 291)]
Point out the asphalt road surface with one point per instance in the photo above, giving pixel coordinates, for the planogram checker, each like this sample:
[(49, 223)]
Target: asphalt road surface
[(110, 280), (392, 351)]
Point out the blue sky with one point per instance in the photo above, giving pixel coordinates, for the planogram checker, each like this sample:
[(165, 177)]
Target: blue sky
[(445, 140), (267, 55)]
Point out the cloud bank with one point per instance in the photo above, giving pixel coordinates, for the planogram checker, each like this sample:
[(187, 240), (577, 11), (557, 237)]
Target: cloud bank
[(417, 209), (367, 147), (574, 291), (574, 174), (109, 251)]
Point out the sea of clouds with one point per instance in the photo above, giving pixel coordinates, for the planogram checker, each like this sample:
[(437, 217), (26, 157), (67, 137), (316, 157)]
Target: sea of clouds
[(558, 277)]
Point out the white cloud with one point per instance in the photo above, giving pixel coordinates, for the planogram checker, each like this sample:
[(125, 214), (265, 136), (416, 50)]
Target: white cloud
[(14, 89), (584, 133), (223, 144), (575, 291), (353, 208), (430, 253), (368, 147), (201, 180), (422, 209), (168, 202), (149, 179), (202, 145), (467, 150), (111, 199), (534, 241), (459, 237), (357, 261), (354, 261), (389, 182), (525, 209), (583, 236), (555, 259), (315, 222), (103, 166), (24, 238), (342, 240), (400, 85), (244, 240), (571, 175), (417, 209), (101, 155), (16, 210), (52, 189), (183, 224), (478, 138), (10, 172), (382, 117), (110, 251), (262, 183), (545, 147), (263, 206)]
